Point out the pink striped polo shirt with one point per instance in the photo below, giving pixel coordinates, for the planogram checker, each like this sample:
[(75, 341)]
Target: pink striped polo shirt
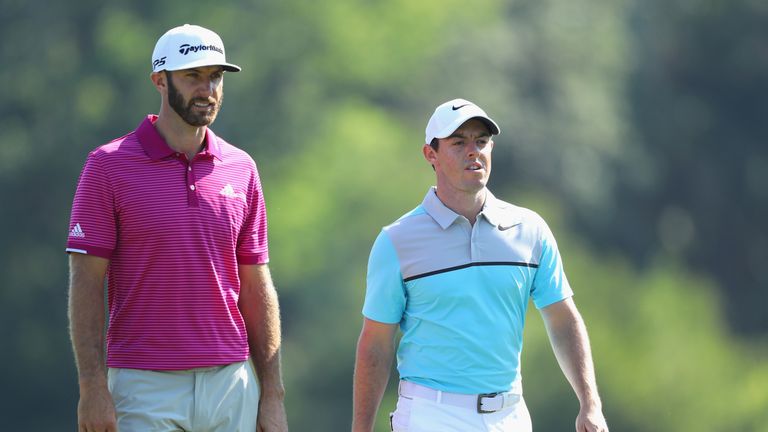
[(174, 232)]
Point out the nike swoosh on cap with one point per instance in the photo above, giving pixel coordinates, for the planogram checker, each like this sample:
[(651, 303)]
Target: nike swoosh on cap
[(453, 107)]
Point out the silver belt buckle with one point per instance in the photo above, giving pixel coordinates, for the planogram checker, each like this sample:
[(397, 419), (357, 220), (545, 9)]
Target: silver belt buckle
[(482, 396)]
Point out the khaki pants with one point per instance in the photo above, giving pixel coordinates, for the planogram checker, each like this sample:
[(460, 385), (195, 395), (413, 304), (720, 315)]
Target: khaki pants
[(220, 399)]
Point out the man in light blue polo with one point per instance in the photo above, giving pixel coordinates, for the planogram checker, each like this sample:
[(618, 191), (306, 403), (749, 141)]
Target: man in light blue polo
[(456, 274)]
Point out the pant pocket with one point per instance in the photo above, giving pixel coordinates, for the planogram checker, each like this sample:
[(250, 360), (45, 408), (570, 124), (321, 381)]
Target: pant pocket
[(400, 420)]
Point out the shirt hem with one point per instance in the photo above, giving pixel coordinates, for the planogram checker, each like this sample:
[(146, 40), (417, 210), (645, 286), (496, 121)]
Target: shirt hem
[(253, 259), (89, 250), (170, 366)]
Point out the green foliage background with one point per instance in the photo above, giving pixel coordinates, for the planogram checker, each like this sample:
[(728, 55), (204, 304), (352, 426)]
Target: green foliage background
[(635, 128)]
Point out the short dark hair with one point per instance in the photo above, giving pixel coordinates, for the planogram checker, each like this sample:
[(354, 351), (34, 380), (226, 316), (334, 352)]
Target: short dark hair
[(435, 144)]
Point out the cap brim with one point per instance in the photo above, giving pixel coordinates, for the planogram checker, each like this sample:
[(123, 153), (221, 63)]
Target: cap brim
[(229, 67), (492, 126)]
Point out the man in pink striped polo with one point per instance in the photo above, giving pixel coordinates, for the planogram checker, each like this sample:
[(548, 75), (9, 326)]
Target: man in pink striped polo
[(174, 217)]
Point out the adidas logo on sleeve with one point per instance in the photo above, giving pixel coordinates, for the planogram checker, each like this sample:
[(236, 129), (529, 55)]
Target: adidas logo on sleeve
[(77, 232)]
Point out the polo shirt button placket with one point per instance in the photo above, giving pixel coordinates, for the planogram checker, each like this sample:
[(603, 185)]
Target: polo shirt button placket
[(192, 195), (473, 239), (190, 176)]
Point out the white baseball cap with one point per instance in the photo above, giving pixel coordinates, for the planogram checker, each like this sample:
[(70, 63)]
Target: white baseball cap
[(189, 46), (452, 114)]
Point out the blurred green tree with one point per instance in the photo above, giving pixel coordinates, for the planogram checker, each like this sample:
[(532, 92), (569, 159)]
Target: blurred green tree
[(664, 355)]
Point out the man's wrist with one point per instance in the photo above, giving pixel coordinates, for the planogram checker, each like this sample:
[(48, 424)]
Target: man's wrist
[(277, 393), (592, 405), (92, 380)]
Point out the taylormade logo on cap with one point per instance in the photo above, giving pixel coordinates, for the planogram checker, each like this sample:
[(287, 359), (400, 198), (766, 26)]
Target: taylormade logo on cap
[(452, 114), (187, 47)]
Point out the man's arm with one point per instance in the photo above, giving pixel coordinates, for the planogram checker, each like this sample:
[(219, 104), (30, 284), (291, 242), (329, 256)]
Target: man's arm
[(259, 306), (375, 350), (95, 410), (570, 342)]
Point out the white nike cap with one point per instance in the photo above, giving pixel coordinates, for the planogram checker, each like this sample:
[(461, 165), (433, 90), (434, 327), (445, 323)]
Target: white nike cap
[(187, 47), (452, 114)]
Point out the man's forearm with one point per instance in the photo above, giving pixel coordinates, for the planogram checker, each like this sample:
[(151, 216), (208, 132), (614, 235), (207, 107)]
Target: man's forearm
[(259, 307), (86, 318), (95, 410), (261, 313), (264, 345), (372, 368), (570, 343)]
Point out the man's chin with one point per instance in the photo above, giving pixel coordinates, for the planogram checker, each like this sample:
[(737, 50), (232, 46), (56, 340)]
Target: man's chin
[(199, 121), (476, 184)]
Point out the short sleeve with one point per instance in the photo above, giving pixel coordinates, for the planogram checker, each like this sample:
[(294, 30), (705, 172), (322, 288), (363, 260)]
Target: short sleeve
[(252, 247), (385, 291), (93, 221), (550, 284)]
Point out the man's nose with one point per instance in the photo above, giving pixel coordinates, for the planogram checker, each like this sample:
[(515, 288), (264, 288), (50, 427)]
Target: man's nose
[(472, 149), (207, 87)]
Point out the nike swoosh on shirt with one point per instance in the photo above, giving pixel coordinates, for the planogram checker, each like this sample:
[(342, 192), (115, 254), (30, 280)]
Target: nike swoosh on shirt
[(457, 107), (504, 228)]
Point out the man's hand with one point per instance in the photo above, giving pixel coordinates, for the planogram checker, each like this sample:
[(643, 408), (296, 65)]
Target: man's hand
[(590, 419), (272, 416), (96, 410)]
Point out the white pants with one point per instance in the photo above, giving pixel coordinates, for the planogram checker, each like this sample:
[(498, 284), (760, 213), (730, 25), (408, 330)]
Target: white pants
[(220, 399), (418, 414)]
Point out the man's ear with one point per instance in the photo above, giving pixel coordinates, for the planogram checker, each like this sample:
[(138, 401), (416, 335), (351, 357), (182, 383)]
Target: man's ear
[(430, 154), (159, 79)]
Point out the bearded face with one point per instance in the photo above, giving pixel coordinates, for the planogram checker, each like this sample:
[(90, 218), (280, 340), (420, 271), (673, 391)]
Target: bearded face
[(198, 109)]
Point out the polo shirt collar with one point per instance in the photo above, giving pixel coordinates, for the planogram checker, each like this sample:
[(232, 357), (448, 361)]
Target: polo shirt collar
[(496, 212), (499, 213), (156, 148), (439, 212)]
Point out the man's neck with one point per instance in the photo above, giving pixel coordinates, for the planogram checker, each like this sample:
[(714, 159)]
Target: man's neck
[(466, 204), (179, 135)]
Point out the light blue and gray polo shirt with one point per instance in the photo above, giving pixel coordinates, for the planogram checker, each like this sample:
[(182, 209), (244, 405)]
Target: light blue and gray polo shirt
[(460, 292)]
